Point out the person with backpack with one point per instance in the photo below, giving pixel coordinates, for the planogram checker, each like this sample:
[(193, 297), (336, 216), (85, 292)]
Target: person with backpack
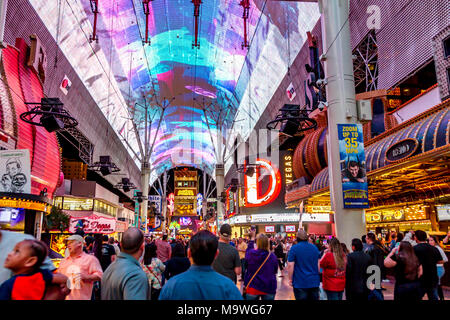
[(260, 280)]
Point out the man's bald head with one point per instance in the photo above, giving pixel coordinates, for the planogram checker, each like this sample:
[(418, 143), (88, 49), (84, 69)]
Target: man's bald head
[(132, 240)]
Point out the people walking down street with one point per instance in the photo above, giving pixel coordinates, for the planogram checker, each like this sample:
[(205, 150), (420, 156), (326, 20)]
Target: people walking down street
[(279, 253), (303, 268), (179, 263), (260, 281), (409, 237), (108, 253), (153, 268), (242, 248), (399, 239), (29, 282), (428, 257), (356, 274), (364, 242), (432, 240), (393, 242), (201, 282), (164, 249), (81, 268), (333, 264), (124, 279), (112, 242), (407, 272), (377, 253), (228, 262)]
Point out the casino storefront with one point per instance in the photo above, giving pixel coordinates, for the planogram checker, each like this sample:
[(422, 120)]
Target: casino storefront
[(30, 156), (408, 175)]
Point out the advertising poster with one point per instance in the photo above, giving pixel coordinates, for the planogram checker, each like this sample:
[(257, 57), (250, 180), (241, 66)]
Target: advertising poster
[(15, 172), (353, 166)]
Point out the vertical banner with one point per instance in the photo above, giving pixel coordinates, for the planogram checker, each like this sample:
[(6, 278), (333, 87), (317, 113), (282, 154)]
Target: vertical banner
[(353, 166), (136, 209), (15, 171)]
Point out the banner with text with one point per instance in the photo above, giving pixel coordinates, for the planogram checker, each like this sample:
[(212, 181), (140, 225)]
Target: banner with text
[(353, 166)]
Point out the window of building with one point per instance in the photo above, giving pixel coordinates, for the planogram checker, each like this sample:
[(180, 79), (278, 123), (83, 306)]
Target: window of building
[(105, 208), (77, 204), (57, 202), (446, 43)]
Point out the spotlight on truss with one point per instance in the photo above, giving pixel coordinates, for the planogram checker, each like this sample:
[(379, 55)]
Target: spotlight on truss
[(105, 166), (50, 114)]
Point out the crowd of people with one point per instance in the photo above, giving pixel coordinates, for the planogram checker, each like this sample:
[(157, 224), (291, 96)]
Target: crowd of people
[(210, 267)]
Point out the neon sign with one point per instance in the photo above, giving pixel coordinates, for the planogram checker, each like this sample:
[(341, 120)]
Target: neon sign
[(252, 185), (288, 169)]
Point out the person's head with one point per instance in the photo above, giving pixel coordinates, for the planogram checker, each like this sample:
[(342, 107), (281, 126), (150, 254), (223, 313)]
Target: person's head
[(357, 245), (105, 238), (225, 232), (178, 250), (336, 248), (262, 242), (203, 248), (164, 237), (344, 248), (433, 240), (399, 237), (393, 236), (363, 239), (408, 257), (371, 238), (111, 241), (27, 255), (89, 240), (150, 253), (133, 242), (75, 244), (302, 235), (353, 168), (420, 236)]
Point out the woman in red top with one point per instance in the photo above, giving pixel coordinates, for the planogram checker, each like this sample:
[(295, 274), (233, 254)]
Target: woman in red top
[(333, 264)]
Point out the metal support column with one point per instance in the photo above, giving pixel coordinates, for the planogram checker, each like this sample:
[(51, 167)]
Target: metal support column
[(341, 108)]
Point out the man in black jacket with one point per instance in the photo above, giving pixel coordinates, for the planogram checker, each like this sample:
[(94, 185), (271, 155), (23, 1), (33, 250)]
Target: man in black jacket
[(356, 273), (377, 254)]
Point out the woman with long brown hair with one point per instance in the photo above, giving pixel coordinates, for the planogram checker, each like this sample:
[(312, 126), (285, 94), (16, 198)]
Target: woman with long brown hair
[(407, 272), (333, 263)]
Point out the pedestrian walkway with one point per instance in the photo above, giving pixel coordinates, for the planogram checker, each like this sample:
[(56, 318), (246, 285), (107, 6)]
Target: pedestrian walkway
[(285, 291)]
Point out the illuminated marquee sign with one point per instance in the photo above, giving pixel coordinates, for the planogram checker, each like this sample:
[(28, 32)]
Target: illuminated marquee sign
[(252, 185), (269, 229), (30, 205), (185, 192), (93, 224), (288, 169)]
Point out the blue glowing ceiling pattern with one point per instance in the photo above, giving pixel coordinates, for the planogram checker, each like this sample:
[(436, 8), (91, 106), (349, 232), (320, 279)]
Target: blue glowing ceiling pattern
[(236, 82)]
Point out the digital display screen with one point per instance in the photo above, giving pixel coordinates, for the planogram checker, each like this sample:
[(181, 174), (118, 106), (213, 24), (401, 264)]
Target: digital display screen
[(12, 218), (185, 221), (443, 212), (270, 229), (290, 228)]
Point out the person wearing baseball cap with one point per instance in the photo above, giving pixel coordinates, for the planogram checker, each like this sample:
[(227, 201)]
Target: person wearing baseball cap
[(228, 262), (81, 268), (303, 268)]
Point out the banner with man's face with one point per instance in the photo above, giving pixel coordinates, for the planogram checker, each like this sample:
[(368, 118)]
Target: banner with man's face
[(15, 171), (353, 166)]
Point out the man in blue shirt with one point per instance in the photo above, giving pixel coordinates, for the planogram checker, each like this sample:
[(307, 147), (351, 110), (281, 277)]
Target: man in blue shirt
[(303, 268), (201, 282), (124, 279)]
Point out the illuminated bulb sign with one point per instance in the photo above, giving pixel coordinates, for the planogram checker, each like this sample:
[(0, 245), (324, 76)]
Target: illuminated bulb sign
[(288, 168), (253, 197)]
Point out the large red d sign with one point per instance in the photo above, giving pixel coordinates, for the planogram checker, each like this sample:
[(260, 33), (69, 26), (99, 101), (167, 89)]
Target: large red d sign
[(253, 197)]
